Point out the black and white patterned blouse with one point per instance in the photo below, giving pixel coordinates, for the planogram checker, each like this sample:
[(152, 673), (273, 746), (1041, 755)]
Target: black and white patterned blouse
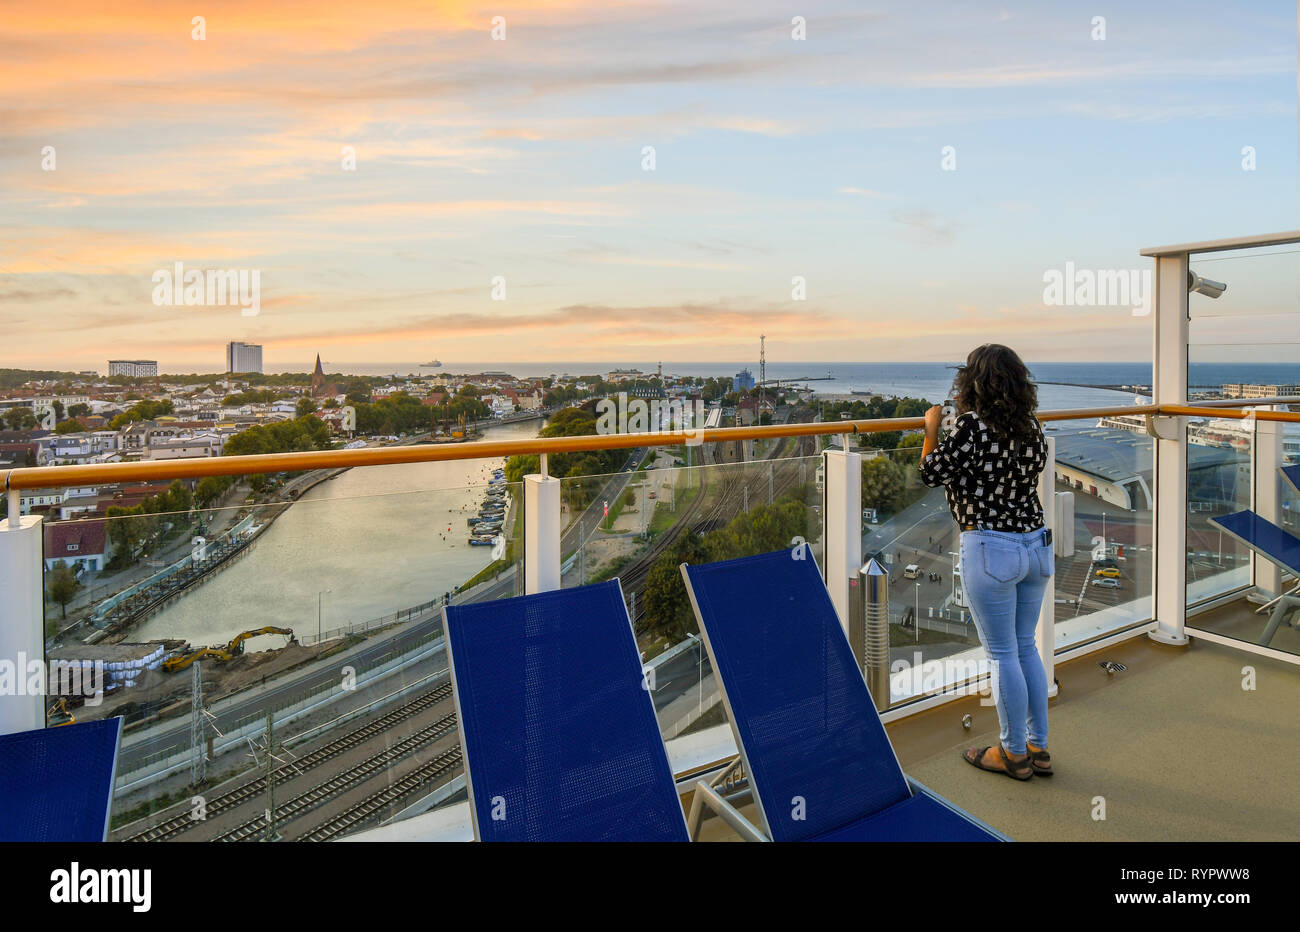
[(991, 484)]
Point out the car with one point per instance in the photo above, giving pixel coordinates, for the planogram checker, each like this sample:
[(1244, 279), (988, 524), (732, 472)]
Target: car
[(1109, 572), (1106, 583), (912, 572), (651, 494)]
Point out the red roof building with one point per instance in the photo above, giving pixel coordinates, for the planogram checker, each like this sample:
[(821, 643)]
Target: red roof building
[(80, 544)]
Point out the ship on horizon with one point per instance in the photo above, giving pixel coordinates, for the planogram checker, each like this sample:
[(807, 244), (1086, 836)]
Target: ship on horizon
[(435, 364)]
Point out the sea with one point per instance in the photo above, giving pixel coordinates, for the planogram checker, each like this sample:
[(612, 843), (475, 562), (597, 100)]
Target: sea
[(1060, 384)]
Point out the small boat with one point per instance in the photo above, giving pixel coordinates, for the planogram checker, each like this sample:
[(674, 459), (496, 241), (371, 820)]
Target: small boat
[(481, 541)]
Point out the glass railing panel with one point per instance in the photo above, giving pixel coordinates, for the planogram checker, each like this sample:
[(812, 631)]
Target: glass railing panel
[(1257, 616), (661, 513), (1261, 282), (909, 530), (1243, 346), (1104, 585), (323, 612)]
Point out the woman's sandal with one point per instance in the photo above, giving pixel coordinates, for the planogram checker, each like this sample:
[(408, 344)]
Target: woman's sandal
[(1016, 770), (1041, 760)]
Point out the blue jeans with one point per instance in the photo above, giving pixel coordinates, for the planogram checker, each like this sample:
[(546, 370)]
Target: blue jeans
[(1004, 574)]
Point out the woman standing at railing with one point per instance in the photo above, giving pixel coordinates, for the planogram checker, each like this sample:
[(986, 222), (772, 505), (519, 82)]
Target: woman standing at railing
[(989, 464)]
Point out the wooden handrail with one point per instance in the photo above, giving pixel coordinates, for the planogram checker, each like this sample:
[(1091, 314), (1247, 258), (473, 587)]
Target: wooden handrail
[(47, 477), (1288, 417)]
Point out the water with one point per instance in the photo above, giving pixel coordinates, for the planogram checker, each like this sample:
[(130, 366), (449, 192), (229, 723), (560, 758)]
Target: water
[(929, 380), (377, 537)]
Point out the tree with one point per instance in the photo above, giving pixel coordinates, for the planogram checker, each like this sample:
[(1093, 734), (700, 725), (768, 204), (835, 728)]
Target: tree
[(63, 585), (908, 451), (209, 489), (58, 409), (177, 497), (142, 411), (70, 426), (79, 410), (911, 407), (126, 531), (305, 406), (20, 418), (883, 482), (667, 606)]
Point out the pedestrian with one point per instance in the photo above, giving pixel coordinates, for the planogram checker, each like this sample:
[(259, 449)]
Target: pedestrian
[(989, 463)]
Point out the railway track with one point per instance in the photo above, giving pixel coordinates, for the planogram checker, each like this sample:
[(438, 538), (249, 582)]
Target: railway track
[(323, 792), (251, 789), (373, 805), (728, 502)]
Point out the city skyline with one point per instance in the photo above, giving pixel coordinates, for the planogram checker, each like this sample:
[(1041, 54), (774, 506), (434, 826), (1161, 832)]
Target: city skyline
[(518, 165)]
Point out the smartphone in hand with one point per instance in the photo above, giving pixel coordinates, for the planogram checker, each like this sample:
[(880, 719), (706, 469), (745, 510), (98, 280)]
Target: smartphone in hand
[(949, 418)]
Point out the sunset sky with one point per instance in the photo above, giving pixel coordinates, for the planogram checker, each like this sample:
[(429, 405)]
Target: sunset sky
[(522, 158)]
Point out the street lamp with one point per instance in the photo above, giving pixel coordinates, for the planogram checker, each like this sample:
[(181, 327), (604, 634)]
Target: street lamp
[(916, 621), (319, 596)]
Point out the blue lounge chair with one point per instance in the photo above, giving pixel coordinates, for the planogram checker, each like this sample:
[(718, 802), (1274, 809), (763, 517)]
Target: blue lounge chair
[(1273, 544), (810, 740), (1292, 475), (559, 732), (56, 784)]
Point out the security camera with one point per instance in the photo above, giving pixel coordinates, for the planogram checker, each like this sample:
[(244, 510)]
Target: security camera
[(1205, 286)]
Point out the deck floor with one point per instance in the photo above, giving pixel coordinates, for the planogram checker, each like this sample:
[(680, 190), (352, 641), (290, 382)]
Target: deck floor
[(1175, 746)]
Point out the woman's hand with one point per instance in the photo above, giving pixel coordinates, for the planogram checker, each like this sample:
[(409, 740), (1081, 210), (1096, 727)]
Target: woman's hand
[(933, 419)]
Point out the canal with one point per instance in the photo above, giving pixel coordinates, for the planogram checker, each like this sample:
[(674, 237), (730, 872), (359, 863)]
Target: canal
[(372, 541)]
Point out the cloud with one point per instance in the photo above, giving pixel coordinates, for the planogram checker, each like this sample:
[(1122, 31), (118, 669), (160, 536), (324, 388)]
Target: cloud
[(924, 226)]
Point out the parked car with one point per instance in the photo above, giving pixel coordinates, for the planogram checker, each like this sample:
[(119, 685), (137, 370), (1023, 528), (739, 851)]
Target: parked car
[(1106, 583), (1109, 572)]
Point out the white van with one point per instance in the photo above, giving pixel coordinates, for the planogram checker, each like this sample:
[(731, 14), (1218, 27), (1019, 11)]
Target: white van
[(912, 572)]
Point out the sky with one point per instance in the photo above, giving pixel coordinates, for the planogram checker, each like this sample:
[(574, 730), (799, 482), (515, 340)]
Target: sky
[(502, 203)]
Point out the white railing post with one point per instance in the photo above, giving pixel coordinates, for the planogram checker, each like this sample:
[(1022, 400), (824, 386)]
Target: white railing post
[(1268, 456), (842, 528), (541, 532), (1169, 524), (22, 618), (1047, 611)]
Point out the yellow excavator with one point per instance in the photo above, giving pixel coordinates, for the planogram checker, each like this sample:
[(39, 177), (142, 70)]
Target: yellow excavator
[(62, 709), (222, 654)]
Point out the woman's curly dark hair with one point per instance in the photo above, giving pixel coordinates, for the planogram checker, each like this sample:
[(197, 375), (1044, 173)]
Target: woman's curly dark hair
[(995, 384)]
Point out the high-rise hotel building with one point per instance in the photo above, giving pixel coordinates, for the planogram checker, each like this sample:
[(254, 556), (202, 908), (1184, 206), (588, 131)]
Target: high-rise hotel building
[(133, 368), (244, 357)]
